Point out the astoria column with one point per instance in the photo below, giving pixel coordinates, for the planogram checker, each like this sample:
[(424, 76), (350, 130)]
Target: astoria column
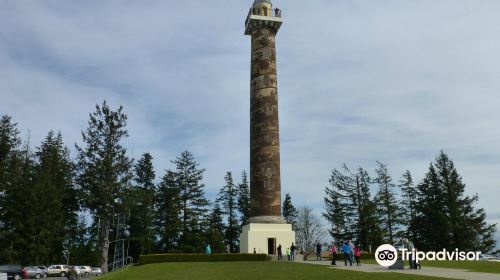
[(262, 24), (266, 229)]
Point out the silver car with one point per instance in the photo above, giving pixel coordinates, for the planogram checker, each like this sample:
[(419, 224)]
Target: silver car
[(96, 271), (32, 272), (45, 271)]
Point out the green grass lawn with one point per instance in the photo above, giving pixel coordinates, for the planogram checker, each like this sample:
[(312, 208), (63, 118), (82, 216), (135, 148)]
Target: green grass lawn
[(475, 266), (248, 270)]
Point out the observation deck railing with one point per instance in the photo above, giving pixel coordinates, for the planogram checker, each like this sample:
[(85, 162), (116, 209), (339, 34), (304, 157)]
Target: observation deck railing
[(265, 12)]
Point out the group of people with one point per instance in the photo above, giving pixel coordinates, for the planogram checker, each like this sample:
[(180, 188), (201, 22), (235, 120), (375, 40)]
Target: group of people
[(351, 252), (290, 252), (208, 249)]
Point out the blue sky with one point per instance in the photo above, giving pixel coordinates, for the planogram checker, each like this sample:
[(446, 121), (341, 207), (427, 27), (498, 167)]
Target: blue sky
[(359, 81)]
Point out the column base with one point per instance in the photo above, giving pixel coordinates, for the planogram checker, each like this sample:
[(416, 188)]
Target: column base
[(264, 238)]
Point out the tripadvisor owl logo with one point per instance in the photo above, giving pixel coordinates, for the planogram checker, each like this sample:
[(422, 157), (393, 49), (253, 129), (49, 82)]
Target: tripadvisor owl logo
[(386, 255)]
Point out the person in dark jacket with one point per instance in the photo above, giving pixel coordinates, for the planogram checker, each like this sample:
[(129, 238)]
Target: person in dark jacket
[(292, 252), (280, 253), (318, 251)]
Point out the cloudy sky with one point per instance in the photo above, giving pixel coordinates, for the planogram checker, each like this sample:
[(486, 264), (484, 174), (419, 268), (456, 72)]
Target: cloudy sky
[(360, 81)]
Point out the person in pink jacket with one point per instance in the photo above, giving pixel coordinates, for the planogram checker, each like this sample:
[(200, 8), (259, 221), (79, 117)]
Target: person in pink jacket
[(357, 254)]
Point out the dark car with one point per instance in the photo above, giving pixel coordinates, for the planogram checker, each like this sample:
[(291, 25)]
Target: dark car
[(13, 271)]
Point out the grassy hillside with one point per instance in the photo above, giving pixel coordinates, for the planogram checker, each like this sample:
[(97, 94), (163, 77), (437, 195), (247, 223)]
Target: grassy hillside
[(247, 270), (474, 266)]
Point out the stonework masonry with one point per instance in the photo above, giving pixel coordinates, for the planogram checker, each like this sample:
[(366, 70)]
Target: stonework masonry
[(264, 126)]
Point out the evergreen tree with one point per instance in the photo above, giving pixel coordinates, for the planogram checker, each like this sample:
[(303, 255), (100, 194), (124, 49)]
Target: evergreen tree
[(9, 168), (368, 232), (80, 249), (215, 232), (340, 208), (289, 211), (54, 190), (104, 170), (142, 202), (389, 212), (228, 196), (167, 220), (349, 208), (193, 203), (408, 203), (244, 199), (446, 217), (20, 220)]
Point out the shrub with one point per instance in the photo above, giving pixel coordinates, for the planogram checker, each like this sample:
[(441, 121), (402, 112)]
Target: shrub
[(163, 258)]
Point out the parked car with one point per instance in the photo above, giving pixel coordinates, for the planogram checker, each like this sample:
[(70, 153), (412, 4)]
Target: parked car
[(13, 271), (95, 271), (58, 270), (85, 270), (45, 271), (32, 272)]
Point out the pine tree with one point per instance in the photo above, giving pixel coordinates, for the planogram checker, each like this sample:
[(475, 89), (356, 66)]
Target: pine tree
[(408, 203), (340, 208), (389, 212), (446, 217), (244, 199), (18, 220), (289, 211), (227, 197), (193, 203), (141, 203), (54, 190), (167, 220), (349, 208), (104, 170), (9, 168), (368, 232), (215, 232), (81, 249)]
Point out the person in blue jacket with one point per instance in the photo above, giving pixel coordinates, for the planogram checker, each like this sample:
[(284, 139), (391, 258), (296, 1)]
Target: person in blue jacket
[(346, 249)]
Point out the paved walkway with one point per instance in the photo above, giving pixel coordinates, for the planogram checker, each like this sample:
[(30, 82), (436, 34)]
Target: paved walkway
[(426, 271)]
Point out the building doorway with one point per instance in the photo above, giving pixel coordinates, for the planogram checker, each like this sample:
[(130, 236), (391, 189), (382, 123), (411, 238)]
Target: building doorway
[(271, 246)]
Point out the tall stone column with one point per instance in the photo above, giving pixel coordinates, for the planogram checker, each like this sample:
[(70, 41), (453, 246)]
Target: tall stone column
[(265, 182), (266, 229)]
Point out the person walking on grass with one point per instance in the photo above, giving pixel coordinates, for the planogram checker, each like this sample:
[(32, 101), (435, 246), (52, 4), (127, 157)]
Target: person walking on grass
[(288, 254), (318, 251), (292, 252), (357, 254), (346, 249), (333, 250), (280, 254)]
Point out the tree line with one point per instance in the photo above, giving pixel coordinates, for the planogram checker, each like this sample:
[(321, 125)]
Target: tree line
[(434, 213), (55, 209)]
